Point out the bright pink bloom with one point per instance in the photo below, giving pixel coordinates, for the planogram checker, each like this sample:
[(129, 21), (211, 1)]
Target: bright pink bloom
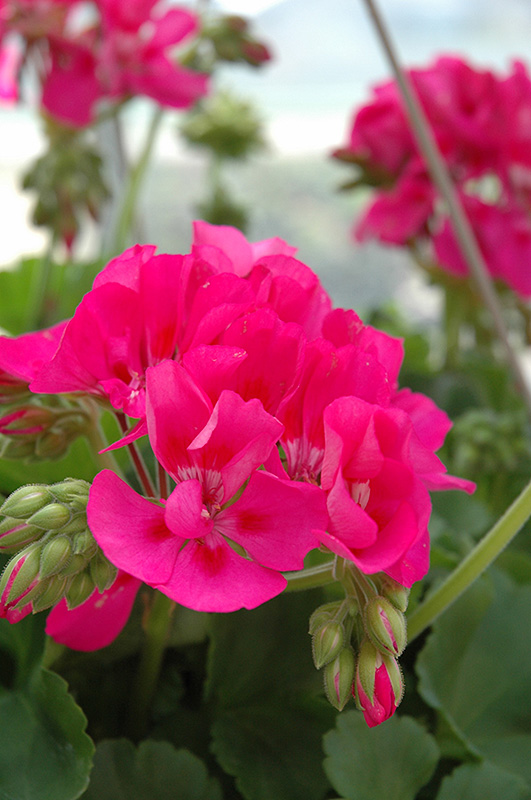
[(71, 88), (133, 58), (143, 309), (378, 507), (504, 236), (211, 452), (98, 621)]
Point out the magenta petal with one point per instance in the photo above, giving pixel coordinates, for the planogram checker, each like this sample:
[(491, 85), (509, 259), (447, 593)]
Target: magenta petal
[(173, 26), (230, 240), (212, 366), (98, 621), (177, 409), (185, 514), (348, 521), (125, 268), (414, 564), (23, 356), (393, 541), (275, 520), (237, 439), (130, 529), (210, 576)]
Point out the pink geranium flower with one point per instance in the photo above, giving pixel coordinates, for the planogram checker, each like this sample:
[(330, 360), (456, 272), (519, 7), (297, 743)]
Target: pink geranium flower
[(184, 547)]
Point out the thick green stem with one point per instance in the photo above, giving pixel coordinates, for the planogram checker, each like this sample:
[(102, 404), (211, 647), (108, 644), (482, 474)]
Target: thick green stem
[(310, 578), (136, 175), (156, 630), (477, 561)]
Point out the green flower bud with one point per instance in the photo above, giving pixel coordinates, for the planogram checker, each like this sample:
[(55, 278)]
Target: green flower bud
[(51, 445), (55, 555), (77, 524), (395, 592), (385, 626), (53, 593), (338, 678), (52, 517), (16, 448), (26, 566), (76, 564), (369, 658), (16, 534), (25, 501), (80, 589), (102, 572), (73, 492), (327, 642), (322, 615), (85, 544)]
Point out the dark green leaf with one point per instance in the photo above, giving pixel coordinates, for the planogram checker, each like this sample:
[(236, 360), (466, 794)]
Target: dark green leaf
[(156, 771), (393, 760), (268, 722), (44, 751), (482, 782), (475, 670)]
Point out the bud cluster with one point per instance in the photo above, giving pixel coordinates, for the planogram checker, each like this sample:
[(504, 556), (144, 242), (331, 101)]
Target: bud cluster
[(35, 431), (56, 555), (358, 640)]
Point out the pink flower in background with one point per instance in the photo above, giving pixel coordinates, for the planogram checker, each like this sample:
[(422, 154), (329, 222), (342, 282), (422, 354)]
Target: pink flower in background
[(11, 56), (481, 122)]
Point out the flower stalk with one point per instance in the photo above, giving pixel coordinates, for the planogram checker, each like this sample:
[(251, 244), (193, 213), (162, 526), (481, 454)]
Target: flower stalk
[(477, 561)]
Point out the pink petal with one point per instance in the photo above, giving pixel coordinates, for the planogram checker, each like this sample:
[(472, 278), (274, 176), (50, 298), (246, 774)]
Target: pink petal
[(348, 521), (210, 576), (212, 367), (125, 268), (230, 240), (172, 27), (177, 409), (98, 621), (237, 439), (131, 530), (275, 520), (23, 356)]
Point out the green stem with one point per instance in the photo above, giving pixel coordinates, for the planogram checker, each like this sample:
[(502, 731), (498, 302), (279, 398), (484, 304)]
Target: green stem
[(134, 182), (97, 441), (156, 631), (310, 578), (440, 176), (476, 562)]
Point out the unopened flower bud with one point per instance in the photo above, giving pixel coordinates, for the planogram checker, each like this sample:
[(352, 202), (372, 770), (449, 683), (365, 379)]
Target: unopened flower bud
[(379, 685), (76, 564), (26, 422), (397, 594), (338, 678), (80, 589), (51, 445), (55, 555), (53, 593), (73, 492), (385, 626), (16, 448), (52, 517), (102, 572), (78, 524), (25, 501), (84, 543), (19, 575), (16, 534), (322, 615), (327, 642)]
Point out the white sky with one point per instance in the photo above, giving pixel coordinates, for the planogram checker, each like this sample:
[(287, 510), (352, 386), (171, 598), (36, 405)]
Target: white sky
[(246, 7)]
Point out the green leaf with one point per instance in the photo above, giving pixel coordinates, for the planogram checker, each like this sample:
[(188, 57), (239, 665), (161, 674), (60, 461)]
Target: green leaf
[(474, 669), (44, 752), (262, 683), (482, 782), (156, 771), (21, 648), (393, 760)]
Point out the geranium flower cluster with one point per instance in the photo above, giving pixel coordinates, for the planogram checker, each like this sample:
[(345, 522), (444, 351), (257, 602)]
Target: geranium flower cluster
[(86, 52), (481, 122), (278, 420)]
